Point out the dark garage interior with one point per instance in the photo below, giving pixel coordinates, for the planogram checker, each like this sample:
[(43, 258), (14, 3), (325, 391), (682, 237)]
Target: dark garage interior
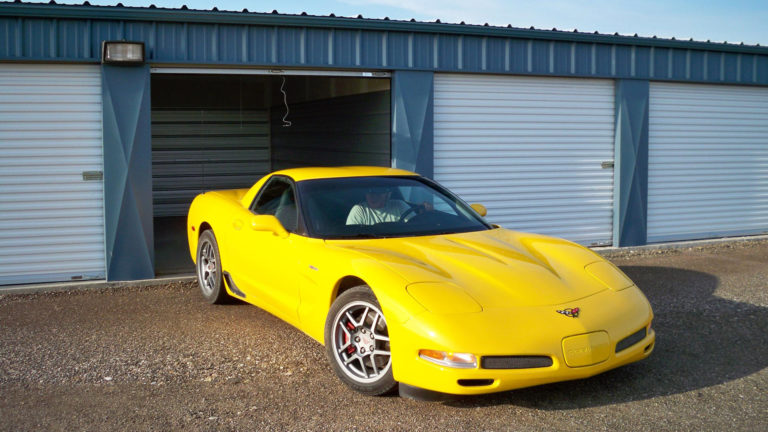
[(226, 131)]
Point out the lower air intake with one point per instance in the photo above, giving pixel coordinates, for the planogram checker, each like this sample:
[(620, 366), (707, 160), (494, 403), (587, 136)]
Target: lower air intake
[(515, 362), (631, 340)]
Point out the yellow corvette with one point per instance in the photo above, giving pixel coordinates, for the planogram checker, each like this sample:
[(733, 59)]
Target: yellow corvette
[(405, 283)]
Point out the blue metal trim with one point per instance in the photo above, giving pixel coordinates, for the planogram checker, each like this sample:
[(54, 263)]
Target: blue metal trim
[(413, 122), (127, 172), (172, 37), (285, 20), (630, 227)]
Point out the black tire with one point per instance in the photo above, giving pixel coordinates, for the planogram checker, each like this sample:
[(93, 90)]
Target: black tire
[(208, 267), (348, 342)]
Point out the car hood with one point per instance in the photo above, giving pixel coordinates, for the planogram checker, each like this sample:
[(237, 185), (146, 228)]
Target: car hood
[(497, 268)]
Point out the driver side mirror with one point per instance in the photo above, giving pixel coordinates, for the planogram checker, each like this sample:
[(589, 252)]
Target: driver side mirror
[(268, 223), (480, 209)]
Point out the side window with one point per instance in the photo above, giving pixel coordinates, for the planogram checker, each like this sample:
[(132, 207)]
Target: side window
[(277, 198)]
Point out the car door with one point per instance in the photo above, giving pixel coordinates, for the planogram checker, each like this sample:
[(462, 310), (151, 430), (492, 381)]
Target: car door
[(265, 265)]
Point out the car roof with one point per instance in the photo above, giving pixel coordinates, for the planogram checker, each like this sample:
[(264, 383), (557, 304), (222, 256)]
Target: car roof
[(300, 174)]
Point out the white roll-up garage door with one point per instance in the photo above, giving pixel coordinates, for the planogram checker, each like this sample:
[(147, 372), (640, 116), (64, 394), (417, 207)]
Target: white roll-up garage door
[(708, 161), (51, 192), (537, 152)]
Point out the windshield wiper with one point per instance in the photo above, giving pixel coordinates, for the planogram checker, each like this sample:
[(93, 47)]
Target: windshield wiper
[(357, 236)]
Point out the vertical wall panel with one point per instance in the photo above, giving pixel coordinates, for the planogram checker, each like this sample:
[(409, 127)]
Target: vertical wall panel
[(127, 172), (51, 218), (708, 161), (412, 122), (529, 149)]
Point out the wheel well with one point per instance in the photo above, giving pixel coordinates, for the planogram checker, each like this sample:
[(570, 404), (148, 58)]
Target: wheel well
[(346, 283), (203, 228)]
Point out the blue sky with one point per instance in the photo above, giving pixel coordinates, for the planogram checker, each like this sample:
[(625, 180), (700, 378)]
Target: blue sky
[(734, 21)]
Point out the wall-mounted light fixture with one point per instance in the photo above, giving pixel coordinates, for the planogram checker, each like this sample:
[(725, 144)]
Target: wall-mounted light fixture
[(122, 52)]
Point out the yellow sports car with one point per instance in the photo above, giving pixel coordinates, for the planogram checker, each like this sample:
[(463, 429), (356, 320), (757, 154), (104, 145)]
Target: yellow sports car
[(406, 284)]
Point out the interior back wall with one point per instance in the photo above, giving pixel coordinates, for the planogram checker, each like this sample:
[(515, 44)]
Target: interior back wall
[(348, 130)]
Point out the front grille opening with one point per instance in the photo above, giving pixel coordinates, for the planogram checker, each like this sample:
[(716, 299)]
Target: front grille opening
[(475, 382), (515, 362), (649, 347), (631, 340)]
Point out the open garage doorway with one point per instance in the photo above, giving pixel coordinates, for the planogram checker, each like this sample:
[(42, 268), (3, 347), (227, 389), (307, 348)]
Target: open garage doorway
[(224, 131)]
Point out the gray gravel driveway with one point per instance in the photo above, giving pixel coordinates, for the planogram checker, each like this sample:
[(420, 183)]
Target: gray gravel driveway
[(160, 358)]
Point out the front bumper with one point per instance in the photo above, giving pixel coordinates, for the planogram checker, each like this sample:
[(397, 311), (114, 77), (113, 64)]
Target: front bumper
[(539, 332)]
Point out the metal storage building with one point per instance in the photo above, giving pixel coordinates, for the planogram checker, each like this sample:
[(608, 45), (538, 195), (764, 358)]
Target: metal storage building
[(602, 139)]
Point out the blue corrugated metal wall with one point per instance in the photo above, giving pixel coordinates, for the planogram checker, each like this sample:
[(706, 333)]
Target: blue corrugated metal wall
[(75, 33)]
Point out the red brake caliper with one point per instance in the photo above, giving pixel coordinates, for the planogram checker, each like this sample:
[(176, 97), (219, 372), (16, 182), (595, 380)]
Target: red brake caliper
[(351, 348)]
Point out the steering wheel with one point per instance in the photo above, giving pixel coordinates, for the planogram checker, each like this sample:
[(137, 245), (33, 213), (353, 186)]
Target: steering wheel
[(405, 214)]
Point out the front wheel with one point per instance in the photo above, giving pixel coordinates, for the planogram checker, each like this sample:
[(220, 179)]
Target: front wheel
[(357, 342), (209, 273)]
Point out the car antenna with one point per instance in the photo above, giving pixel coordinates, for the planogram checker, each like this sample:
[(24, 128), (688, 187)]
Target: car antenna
[(286, 123)]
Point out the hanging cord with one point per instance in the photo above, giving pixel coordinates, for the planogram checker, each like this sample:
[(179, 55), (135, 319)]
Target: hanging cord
[(286, 123)]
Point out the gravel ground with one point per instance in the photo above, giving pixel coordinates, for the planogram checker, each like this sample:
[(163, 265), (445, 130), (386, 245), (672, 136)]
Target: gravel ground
[(159, 358)]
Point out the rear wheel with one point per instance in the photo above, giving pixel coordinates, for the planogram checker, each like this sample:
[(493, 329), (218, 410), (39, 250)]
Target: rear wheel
[(209, 274), (357, 342)]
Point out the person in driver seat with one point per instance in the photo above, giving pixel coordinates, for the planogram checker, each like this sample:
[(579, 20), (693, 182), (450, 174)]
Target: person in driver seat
[(377, 208)]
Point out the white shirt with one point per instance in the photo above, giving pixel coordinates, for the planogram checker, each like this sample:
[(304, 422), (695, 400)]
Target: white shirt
[(363, 214)]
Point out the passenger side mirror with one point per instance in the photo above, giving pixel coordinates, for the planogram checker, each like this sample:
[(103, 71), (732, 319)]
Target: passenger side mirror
[(480, 209), (268, 223)]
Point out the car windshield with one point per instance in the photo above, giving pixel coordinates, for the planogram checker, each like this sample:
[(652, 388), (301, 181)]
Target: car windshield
[(380, 207)]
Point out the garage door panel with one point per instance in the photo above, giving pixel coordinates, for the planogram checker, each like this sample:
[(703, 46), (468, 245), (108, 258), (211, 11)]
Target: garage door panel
[(708, 161), (530, 149), (51, 220), (201, 149)]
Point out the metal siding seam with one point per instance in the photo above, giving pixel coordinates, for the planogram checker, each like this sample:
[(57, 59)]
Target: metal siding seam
[(384, 37), (52, 38), (244, 46), (573, 58), (706, 66), (529, 54), (484, 53), (460, 52), (551, 66), (670, 63), (687, 64), (357, 48), (738, 68), (507, 48), (273, 45), (435, 55)]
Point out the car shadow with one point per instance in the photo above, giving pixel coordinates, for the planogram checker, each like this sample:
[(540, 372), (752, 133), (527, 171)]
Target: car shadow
[(701, 340)]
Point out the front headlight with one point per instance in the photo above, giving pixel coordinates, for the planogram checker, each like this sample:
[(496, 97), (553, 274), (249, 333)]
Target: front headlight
[(449, 359)]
